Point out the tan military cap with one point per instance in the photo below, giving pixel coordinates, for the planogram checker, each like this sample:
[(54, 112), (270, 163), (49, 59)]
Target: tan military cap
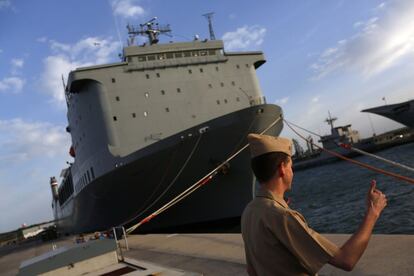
[(261, 144)]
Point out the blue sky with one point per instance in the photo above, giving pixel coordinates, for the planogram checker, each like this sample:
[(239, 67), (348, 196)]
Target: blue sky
[(341, 56)]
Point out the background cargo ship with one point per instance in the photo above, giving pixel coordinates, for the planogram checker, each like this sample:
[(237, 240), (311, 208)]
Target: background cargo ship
[(345, 135), (146, 128)]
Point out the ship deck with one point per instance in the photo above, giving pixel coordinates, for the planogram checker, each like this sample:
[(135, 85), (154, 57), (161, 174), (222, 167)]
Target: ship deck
[(223, 254)]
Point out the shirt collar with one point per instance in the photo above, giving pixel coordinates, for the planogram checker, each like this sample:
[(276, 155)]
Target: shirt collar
[(263, 192)]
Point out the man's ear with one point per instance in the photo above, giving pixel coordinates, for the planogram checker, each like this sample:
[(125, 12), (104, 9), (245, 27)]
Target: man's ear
[(281, 169)]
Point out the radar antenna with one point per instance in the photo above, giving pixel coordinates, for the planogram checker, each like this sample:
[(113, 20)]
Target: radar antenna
[(209, 16), (151, 29), (330, 120)]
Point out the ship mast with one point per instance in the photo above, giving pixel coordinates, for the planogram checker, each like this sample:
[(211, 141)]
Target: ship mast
[(209, 16), (331, 120), (151, 29)]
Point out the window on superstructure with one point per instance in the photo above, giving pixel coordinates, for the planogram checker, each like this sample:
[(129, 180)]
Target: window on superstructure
[(147, 76), (190, 71), (113, 80), (178, 90), (169, 55), (233, 83), (151, 57), (195, 53), (160, 56), (158, 75), (238, 99), (178, 55), (117, 98), (142, 58), (115, 118), (134, 115), (162, 92), (187, 54), (210, 85), (247, 65), (211, 52), (167, 109), (203, 53), (222, 84), (217, 69), (129, 59), (89, 176), (237, 66), (201, 70), (225, 100), (218, 101), (92, 173)]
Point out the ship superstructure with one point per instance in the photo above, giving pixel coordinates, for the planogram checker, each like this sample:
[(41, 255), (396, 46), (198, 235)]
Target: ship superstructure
[(147, 127)]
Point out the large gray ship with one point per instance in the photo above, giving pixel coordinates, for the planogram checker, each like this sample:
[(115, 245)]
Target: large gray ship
[(146, 128), (402, 113)]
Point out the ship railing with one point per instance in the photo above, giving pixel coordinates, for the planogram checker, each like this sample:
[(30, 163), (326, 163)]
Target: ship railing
[(258, 101), (121, 241)]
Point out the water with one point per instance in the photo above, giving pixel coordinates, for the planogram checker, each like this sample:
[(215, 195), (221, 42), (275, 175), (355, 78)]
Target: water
[(332, 197)]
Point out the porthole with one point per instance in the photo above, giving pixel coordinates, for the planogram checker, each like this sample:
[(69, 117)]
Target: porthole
[(167, 109), (115, 118), (201, 70), (113, 80), (162, 92), (179, 90), (117, 98), (218, 102), (210, 85), (222, 84), (189, 71), (158, 75), (147, 76), (134, 115)]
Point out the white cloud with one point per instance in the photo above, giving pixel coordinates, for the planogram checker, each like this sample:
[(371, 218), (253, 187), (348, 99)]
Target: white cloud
[(381, 42), (42, 39), (67, 57), (282, 101), (5, 4), (21, 141), (244, 37), (17, 62), (127, 8), (11, 84), (30, 152)]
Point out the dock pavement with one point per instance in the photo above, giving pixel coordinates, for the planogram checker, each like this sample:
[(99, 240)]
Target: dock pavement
[(223, 254)]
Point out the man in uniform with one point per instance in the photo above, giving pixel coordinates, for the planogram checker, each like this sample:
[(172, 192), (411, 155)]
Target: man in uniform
[(277, 239)]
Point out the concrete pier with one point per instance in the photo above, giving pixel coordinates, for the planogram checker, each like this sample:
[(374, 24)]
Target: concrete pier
[(223, 254)]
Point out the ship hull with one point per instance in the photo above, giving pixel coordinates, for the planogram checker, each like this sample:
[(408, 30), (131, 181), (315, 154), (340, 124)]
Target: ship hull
[(145, 182)]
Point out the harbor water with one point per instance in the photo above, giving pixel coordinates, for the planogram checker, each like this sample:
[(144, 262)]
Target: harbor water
[(332, 197)]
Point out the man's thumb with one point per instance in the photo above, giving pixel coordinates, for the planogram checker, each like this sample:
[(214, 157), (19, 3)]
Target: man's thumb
[(373, 184)]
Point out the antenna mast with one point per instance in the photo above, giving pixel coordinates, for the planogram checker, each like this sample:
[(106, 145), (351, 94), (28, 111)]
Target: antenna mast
[(209, 16), (151, 29), (330, 120)]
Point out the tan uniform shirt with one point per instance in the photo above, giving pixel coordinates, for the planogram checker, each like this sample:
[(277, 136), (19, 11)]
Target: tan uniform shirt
[(278, 241)]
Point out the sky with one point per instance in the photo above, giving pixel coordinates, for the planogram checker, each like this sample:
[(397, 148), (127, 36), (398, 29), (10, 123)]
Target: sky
[(336, 56)]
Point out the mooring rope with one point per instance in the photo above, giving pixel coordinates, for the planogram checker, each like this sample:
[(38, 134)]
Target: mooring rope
[(204, 180), (364, 165), (350, 147)]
